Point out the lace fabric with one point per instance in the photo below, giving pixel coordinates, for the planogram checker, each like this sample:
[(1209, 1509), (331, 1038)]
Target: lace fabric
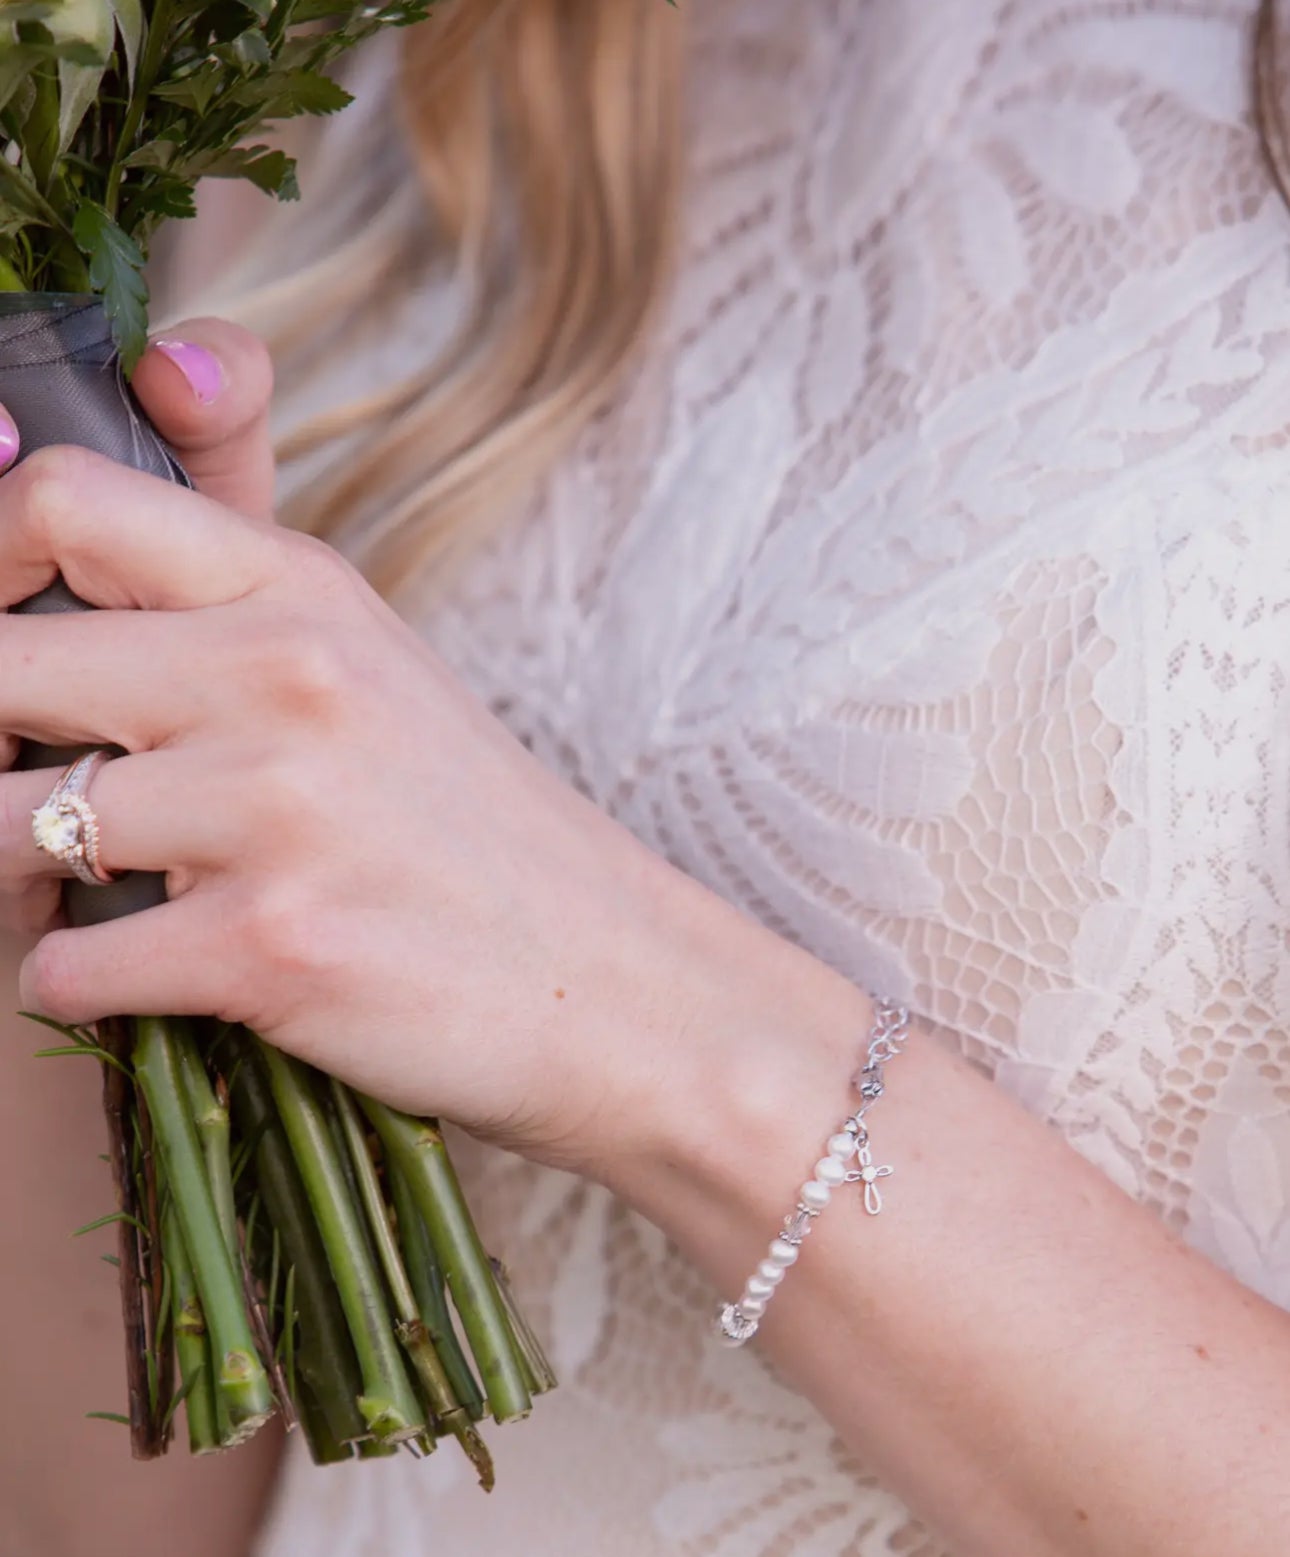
[(927, 593)]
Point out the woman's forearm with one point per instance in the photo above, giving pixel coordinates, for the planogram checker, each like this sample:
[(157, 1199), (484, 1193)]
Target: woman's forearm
[(67, 1484), (1022, 1352)]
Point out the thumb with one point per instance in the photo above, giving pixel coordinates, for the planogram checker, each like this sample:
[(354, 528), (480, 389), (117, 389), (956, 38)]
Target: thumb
[(206, 387)]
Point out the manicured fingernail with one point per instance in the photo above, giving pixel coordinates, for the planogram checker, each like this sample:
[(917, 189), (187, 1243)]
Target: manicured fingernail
[(8, 441), (200, 367)]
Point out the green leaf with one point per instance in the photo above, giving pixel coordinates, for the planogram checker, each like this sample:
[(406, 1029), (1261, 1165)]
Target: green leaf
[(196, 91), (91, 23), (180, 1395), (248, 51), (286, 94), (107, 1416), (77, 1034), (163, 198), (116, 273), (272, 171), (155, 154), (106, 1221), (129, 21)]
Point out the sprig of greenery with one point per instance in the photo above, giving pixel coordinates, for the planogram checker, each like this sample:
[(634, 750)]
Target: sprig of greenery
[(111, 111)]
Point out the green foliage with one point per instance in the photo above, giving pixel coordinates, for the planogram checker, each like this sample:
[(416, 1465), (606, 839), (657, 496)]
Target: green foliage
[(111, 111)]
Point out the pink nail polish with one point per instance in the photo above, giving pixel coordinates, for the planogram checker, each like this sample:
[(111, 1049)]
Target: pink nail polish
[(8, 441), (200, 367)]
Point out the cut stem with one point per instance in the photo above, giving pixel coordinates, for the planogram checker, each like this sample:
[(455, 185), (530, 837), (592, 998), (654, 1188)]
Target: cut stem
[(326, 1368), (538, 1372), (240, 1378), (388, 1403), (432, 1302), (417, 1148), (449, 1412)]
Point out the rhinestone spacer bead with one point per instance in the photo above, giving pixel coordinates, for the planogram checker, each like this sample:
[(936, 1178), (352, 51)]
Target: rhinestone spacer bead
[(798, 1225), (734, 1326)]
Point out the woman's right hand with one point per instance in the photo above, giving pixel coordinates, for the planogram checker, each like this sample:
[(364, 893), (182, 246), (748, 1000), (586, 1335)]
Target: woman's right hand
[(206, 386)]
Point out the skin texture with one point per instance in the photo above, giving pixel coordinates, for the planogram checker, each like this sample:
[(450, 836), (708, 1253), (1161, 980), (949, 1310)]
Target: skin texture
[(369, 870)]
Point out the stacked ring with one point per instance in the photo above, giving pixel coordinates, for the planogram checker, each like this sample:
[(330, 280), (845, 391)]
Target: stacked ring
[(65, 826)]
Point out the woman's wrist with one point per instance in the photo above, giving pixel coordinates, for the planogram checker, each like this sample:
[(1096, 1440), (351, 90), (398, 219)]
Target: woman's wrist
[(766, 1041)]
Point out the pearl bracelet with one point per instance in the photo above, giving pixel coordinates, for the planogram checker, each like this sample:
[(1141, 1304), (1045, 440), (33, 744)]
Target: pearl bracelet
[(737, 1322)]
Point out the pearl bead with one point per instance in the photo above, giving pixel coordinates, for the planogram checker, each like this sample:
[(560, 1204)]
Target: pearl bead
[(830, 1171), (753, 1307), (769, 1271), (842, 1146), (759, 1287), (782, 1253), (815, 1194)]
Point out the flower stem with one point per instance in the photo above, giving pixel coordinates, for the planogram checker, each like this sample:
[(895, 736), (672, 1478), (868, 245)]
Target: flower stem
[(192, 1346), (432, 1304), (538, 1372), (240, 1378), (211, 1119), (150, 62), (417, 1148), (120, 1112), (388, 1404), (328, 1379), (448, 1411)]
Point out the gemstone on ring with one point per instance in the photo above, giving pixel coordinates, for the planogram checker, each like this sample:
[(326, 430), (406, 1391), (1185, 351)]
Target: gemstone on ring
[(56, 828), (65, 826)]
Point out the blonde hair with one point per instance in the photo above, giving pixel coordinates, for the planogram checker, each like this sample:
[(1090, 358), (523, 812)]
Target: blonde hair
[(545, 134)]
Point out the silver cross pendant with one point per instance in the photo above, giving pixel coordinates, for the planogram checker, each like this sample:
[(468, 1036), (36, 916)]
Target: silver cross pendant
[(869, 1176)]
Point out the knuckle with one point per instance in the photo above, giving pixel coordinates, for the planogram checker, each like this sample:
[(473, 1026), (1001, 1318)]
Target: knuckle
[(50, 979), (276, 926), (320, 568), (305, 666), (288, 796), (51, 488)]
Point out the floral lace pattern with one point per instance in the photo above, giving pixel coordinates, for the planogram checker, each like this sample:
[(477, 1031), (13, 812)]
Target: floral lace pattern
[(926, 592)]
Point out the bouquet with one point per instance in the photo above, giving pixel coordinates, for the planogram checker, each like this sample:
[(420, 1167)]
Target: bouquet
[(284, 1244)]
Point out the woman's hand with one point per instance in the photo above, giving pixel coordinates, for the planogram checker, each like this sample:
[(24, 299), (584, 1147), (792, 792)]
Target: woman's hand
[(206, 387), (363, 864), (55, 1294)]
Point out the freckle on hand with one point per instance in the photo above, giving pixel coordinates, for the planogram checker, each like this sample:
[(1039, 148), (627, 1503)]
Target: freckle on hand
[(1202, 1352), (559, 994), (1081, 1515)]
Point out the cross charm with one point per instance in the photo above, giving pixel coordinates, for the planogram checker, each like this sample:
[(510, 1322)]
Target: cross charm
[(869, 1176)]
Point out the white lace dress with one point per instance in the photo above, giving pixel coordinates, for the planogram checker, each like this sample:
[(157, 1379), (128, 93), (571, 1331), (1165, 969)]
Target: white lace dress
[(927, 593)]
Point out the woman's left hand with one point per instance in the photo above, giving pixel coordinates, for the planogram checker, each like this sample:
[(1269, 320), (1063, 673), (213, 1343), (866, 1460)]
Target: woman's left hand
[(363, 865)]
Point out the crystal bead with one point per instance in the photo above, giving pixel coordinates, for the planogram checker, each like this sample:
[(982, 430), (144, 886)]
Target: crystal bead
[(734, 1326), (797, 1226)]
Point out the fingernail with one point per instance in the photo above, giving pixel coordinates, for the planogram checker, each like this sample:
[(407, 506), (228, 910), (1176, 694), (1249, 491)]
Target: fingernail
[(200, 367), (8, 441)]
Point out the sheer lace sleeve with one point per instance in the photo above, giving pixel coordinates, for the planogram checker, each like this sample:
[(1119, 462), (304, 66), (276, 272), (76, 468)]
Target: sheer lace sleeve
[(926, 593)]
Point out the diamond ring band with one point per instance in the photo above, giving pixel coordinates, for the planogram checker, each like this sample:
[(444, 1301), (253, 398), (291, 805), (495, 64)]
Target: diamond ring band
[(65, 826)]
